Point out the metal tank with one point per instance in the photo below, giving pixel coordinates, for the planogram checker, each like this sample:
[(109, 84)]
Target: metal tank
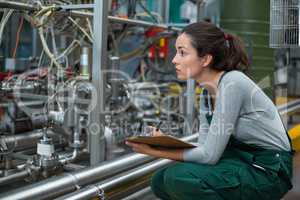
[(250, 19)]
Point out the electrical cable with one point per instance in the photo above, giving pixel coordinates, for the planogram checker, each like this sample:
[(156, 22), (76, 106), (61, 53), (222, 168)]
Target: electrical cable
[(3, 22), (89, 25), (81, 29), (46, 48), (18, 37)]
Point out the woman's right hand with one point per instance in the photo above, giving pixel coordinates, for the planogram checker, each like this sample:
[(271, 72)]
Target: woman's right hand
[(155, 132)]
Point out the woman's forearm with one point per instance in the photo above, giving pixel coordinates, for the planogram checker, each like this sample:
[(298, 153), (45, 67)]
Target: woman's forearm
[(173, 154)]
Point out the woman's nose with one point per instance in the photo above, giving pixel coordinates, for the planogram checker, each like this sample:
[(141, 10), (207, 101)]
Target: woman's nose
[(174, 60)]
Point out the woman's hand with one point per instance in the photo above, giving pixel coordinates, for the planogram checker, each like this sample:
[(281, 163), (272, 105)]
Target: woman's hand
[(155, 132), (141, 148)]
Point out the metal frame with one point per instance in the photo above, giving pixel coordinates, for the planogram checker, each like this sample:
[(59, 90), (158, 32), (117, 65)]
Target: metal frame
[(60, 185), (77, 6), (23, 6), (96, 131), (289, 107), (190, 106)]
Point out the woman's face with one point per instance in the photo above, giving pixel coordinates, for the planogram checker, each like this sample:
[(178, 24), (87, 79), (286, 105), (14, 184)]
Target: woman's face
[(188, 64)]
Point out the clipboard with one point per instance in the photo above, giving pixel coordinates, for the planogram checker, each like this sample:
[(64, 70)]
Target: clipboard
[(161, 141)]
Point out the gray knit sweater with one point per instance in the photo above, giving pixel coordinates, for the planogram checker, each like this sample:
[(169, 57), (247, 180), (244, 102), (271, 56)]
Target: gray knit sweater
[(242, 110)]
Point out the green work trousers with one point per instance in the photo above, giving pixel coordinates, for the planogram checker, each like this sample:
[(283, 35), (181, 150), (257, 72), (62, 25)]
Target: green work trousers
[(244, 172)]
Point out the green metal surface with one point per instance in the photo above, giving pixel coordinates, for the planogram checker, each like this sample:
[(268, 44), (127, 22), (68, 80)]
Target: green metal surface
[(249, 19), (174, 11)]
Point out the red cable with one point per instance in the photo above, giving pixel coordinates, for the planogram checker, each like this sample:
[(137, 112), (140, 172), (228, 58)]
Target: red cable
[(18, 37)]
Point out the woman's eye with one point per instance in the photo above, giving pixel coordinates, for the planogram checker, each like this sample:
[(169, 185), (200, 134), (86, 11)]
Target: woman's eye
[(182, 53)]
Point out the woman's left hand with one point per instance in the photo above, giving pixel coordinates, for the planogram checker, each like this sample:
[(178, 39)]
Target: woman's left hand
[(141, 148)]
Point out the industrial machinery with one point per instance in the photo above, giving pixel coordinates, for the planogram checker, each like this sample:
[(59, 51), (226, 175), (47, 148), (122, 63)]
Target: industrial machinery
[(79, 81), (77, 77)]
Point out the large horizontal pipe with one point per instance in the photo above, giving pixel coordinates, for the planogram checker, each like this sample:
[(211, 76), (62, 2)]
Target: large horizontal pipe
[(25, 140), (69, 182), (57, 186), (139, 195), (94, 190), (23, 6)]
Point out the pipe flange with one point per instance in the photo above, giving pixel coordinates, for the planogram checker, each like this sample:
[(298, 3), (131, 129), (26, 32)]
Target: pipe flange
[(101, 193), (75, 181)]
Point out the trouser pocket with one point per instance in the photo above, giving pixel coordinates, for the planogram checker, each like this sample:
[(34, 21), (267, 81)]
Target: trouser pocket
[(225, 182)]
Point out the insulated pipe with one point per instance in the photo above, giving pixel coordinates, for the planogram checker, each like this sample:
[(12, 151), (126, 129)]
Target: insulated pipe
[(68, 182), (98, 188)]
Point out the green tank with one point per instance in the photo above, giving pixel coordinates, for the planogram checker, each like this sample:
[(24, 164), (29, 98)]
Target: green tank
[(250, 19)]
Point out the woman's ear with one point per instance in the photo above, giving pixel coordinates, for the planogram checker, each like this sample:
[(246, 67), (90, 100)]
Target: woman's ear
[(206, 60)]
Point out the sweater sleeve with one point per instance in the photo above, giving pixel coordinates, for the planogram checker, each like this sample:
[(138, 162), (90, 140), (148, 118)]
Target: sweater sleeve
[(228, 104), (204, 125)]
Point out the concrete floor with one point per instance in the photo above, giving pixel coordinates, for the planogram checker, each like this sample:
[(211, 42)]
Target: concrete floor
[(294, 194)]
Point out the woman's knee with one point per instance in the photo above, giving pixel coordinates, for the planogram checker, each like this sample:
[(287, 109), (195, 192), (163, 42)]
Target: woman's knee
[(157, 178), (165, 178), (181, 176), (158, 186)]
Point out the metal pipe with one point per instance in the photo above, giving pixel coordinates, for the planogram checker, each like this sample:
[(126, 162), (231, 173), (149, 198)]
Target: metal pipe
[(77, 6), (63, 159), (140, 194), (25, 140), (68, 182), (115, 77), (96, 189), (21, 156), (70, 157), (141, 23), (76, 142), (22, 104), (127, 21), (23, 6), (17, 5), (14, 177), (96, 140), (289, 107)]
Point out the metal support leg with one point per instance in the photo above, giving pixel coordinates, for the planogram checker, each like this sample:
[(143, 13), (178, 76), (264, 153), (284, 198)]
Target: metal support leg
[(96, 129)]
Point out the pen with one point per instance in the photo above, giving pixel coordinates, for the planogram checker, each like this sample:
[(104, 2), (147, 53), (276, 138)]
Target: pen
[(158, 125)]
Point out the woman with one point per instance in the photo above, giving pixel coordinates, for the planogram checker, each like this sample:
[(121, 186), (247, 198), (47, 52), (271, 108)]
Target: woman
[(243, 149)]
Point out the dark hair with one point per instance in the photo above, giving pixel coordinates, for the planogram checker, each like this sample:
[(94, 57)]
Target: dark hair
[(226, 49)]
